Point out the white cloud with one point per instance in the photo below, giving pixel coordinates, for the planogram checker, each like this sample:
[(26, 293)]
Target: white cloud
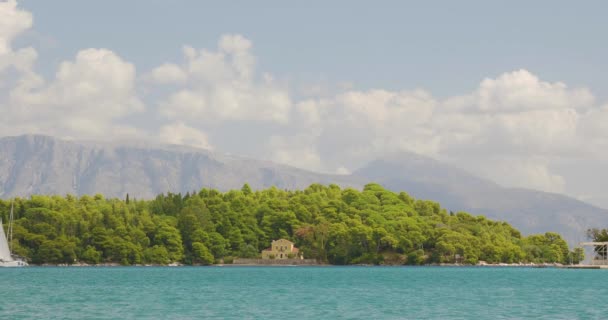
[(521, 91), (181, 134), (516, 113), (13, 21), (593, 130), (168, 73), (222, 86), (356, 126), (512, 128), (85, 99), (515, 116), (298, 151)]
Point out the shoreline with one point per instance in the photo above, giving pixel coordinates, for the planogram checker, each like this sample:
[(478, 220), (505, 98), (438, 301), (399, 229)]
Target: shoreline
[(446, 265)]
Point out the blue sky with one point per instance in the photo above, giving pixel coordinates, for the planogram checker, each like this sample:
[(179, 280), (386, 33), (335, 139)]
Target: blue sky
[(512, 91), (443, 46)]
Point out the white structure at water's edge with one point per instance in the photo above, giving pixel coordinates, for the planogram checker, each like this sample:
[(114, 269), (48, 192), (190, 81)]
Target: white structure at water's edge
[(600, 253)]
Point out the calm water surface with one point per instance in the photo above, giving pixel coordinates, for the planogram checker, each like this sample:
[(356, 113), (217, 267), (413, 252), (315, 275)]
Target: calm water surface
[(302, 293)]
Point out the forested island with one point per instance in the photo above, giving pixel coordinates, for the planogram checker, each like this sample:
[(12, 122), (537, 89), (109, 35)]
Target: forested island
[(330, 224)]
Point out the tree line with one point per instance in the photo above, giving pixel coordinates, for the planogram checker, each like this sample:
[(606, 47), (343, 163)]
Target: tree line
[(328, 223)]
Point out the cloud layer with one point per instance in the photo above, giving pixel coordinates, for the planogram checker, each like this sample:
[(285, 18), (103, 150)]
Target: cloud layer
[(514, 128), (510, 128), (87, 98), (221, 86)]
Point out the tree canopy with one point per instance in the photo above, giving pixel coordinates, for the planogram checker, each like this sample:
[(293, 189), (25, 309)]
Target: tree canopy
[(597, 235), (328, 223)]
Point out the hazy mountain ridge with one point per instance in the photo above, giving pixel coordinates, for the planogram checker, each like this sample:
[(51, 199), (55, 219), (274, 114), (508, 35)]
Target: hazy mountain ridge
[(39, 164), (35, 164)]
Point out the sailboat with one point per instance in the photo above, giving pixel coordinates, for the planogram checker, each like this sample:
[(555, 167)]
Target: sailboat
[(6, 258)]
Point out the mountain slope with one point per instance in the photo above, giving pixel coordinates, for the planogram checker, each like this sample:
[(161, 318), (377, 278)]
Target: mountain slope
[(40, 164), (44, 165)]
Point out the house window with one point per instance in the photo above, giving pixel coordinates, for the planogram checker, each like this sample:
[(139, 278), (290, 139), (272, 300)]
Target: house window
[(281, 255)]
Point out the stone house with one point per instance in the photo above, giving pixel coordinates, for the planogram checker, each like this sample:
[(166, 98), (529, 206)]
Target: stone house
[(282, 249)]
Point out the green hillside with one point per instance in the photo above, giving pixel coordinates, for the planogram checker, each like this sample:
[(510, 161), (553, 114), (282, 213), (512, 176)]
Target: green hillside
[(333, 225)]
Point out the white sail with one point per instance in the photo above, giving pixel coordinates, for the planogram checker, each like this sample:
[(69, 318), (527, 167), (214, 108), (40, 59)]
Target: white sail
[(5, 252), (6, 259)]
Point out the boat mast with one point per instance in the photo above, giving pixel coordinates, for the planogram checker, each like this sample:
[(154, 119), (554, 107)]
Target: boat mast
[(10, 228)]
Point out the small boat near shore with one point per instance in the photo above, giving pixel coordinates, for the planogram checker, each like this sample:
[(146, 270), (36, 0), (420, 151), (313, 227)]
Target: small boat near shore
[(6, 258)]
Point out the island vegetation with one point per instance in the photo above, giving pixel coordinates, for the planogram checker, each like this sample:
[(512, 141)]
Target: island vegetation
[(597, 235), (328, 223)]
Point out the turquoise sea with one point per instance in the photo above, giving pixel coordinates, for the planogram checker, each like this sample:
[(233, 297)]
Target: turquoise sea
[(302, 293)]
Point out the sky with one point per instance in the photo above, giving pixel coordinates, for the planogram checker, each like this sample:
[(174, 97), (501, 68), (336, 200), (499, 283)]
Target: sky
[(515, 91)]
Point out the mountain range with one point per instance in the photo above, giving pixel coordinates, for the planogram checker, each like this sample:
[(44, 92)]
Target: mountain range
[(35, 164)]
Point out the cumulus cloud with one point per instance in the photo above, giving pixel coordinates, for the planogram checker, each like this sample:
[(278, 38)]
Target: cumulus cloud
[(168, 73), (13, 22), (517, 113), (593, 130), (87, 98), (298, 151), (222, 86), (355, 126), (515, 116), (181, 134), (97, 81), (521, 91), (518, 117), (84, 99)]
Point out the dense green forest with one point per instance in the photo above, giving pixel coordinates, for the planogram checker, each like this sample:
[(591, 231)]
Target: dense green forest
[(333, 225)]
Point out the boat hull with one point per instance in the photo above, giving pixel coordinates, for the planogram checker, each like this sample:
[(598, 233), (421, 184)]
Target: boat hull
[(13, 264)]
